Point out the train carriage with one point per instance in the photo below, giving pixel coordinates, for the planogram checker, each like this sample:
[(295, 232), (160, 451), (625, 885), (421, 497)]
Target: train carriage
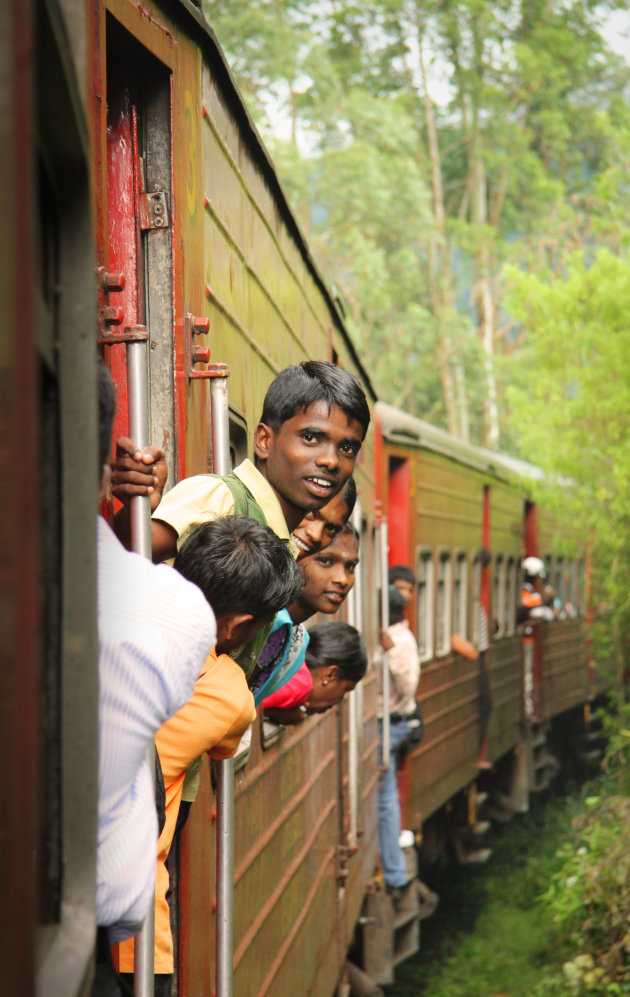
[(142, 213), (198, 251), (445, 501)]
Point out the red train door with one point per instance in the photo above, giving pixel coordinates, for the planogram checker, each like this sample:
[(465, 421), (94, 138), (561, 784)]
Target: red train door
[(136, 276), (137, 284)]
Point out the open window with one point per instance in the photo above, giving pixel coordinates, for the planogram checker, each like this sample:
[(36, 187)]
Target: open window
[(444, 595), (425, 576), (498, 592), (460, 594), (511, 590)]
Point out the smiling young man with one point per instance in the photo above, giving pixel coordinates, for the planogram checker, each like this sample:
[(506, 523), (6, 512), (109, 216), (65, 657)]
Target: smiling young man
[(314, 419), (319, 527), (328, 577)]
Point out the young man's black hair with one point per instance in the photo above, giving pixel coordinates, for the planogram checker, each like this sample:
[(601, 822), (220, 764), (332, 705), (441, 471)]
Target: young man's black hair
[(400, 572), (337, 643), (348, 528), (295, 388), (348, 495), (240, 566)]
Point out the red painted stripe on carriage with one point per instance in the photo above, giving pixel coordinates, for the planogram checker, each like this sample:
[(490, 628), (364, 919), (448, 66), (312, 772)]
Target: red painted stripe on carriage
[(122, 172), (485, 542), (531, 531), (399, 511)]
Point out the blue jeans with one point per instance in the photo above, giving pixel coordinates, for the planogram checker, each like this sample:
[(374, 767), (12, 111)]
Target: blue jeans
[(392, 858)]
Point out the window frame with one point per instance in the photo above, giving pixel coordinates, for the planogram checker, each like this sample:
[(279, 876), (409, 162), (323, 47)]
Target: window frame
[(425, 575), (460, 592), (443, 602)]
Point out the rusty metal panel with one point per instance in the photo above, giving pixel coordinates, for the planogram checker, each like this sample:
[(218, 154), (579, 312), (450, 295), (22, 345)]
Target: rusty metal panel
[(564, 672)]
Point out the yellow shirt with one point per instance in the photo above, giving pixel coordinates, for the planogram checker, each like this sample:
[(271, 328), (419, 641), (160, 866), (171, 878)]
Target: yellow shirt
[(203, 497), (214, 719)]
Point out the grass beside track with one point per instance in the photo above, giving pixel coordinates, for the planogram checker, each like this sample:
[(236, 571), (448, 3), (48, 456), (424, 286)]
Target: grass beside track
[(492, 934)]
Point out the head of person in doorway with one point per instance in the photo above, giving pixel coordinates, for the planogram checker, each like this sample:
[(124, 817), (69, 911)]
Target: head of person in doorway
[(402, 578), (245, 571), (329, 575), (337, 660), (396, 605), (314, 420), (319, 527)]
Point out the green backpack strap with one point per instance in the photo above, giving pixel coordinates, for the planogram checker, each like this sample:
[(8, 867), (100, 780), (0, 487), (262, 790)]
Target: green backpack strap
[(244, 502), (246, 505)]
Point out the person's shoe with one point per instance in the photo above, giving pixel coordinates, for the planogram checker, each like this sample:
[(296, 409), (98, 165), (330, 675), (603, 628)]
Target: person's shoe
[(395, 892)]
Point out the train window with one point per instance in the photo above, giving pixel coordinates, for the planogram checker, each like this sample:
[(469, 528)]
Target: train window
[(570, 603), (558, 579), (548, 560), (511, 590), (270, 733), (444, 603), (580, 588), (460, 594), (238, 438), (476, 599), (499, 596), (242, 752), (425, 577)]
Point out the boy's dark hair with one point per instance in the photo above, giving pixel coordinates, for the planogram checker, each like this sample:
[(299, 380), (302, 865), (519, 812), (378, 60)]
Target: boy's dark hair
[(400, 572), (348, 495), (240, 566), (339, 644), (349, 528), (297, 387), (106, 412), (396, 605)]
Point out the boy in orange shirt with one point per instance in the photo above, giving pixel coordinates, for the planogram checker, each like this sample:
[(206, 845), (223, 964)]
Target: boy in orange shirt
[(247, 574)]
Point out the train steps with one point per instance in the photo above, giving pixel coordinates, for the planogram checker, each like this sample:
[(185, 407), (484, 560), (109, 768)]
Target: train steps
[(390, 924), (590, 746), (543, 766)]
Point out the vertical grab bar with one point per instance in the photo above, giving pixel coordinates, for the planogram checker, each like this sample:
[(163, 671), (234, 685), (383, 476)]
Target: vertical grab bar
[(140, 516), (221, 464), (383, 550)]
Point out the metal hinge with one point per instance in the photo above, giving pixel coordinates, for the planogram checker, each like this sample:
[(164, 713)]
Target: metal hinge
[(153, 210)]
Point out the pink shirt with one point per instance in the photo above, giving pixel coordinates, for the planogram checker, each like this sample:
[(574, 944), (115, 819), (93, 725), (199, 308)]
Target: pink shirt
[(295, 692)]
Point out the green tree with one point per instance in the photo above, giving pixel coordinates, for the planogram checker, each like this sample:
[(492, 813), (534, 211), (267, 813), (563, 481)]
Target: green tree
[(570, 406)]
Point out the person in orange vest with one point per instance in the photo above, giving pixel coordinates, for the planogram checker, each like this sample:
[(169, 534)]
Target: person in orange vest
[(533, 573), (531, 599)]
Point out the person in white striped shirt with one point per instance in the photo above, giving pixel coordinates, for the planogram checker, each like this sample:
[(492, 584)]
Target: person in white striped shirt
[(155, 631)]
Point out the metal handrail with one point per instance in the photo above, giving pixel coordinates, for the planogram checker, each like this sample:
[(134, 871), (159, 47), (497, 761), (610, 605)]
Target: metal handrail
[(221, 464)]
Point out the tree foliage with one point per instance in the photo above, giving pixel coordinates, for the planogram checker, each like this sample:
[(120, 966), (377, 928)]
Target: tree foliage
[(414, 206)]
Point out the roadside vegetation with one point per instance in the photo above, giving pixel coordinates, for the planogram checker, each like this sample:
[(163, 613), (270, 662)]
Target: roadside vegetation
[(549, 915)]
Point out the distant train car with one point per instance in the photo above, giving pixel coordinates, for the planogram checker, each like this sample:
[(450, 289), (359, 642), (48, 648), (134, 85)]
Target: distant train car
[(445, 502)]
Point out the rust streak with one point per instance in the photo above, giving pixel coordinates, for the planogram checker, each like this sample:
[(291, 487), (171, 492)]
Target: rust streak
[(256, 205), (283, 880), (263, 840), (212, 295), (209, 206)]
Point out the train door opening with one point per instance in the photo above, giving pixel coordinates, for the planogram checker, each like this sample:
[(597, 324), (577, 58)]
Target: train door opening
[(137, 284), (136, 273)]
